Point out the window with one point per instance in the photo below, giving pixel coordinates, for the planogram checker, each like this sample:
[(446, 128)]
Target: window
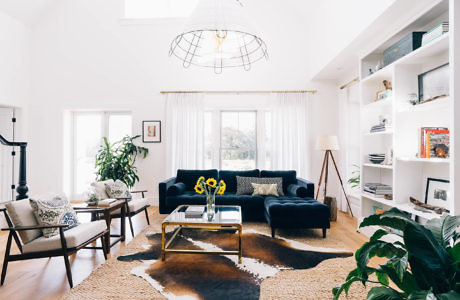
[(152, 9), (88, 129), (238, 141)]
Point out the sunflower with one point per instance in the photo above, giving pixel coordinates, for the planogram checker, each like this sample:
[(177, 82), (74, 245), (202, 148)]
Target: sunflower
[(222, 187), (211, 182), (199, 189), (199, 180)]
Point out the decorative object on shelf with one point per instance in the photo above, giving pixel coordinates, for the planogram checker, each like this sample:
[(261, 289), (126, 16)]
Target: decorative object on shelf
[(433, 84), (430, 271), (355, 180), (437, 192), (435, 33), (429, 207), (116, 160), (379, 65), (376, 158), (218, 35), (329, 143), (389, 157), (434, 142), (386, 92), (370, 72), (378, 210), (383, 125), (413, 98), (403, 47), (22, 188), (151, 131), (210, 188), (332, 203)]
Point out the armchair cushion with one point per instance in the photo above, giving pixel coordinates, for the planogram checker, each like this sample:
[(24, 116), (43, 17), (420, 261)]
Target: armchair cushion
[(297, 190), (22, 214), (134, 205), (99, 188), (74, 237), (56, 210), (117, 189), (176, 189)]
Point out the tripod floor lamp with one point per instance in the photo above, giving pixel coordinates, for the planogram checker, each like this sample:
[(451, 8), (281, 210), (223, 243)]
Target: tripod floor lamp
[(329, 143)]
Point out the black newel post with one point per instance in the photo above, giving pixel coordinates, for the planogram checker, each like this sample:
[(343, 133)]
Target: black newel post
[(22, 188)]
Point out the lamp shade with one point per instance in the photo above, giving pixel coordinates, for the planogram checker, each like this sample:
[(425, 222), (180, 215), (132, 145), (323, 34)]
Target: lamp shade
[(219, 35), (327, 142)]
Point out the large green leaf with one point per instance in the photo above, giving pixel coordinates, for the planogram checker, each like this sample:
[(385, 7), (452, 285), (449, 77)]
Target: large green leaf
[(393, 218), (422, 295), (429, 257), (336, 291), (444, 229), (383, 293), (451, 295)]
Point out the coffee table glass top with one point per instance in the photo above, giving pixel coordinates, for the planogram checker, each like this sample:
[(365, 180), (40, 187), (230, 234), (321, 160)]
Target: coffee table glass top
[(225, 214)]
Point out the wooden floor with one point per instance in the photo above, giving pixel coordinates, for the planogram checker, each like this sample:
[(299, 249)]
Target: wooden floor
[(46, 278)]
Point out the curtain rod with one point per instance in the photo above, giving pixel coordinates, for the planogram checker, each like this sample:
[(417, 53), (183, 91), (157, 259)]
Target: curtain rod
[(349, 83), (240, 92)]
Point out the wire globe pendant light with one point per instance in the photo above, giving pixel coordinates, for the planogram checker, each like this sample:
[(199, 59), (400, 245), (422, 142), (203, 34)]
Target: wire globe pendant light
[(218, 35)]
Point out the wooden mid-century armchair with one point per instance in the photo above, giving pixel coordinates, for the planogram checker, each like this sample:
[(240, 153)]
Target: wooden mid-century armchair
[(133, 207), (26, 232)]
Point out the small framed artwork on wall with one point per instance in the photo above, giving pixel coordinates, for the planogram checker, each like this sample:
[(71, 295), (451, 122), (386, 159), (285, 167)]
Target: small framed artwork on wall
[(437, 192), (151, 131)]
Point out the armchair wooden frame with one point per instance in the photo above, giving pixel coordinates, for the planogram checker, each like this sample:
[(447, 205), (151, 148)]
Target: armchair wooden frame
[(130, 213), (63, 251)]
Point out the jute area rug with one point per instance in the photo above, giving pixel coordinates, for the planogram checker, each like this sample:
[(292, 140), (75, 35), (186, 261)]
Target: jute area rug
[(299, 265)]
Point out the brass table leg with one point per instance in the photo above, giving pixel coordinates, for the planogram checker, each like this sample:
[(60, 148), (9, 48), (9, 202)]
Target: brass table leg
[(163, 227), (240, 248)]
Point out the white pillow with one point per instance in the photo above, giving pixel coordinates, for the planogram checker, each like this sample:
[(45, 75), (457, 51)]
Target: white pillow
[(265, 189), (99, 188), (117, 189)]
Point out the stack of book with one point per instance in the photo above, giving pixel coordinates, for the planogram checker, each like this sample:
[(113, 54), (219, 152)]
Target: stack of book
[(380, 128), (194, 212), (434, 142), (435, 33), (378, 189)]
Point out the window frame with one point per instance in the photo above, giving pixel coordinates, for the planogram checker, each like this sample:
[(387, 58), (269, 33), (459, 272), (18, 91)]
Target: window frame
[(105, 116)]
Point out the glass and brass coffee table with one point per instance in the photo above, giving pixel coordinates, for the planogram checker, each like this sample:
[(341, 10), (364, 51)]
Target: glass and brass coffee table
[(226, 218)]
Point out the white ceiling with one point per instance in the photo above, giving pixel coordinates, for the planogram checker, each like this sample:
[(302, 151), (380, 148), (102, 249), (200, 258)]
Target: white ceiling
[(25, 11)]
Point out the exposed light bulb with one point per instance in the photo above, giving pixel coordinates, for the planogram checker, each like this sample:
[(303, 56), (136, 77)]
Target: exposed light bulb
[(219, 37)]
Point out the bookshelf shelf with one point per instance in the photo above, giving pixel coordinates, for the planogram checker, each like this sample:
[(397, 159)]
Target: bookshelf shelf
[(424, 160), (370, 165), (439, 104), (379, 103), (390, 203), (408, 207), (387, 132)]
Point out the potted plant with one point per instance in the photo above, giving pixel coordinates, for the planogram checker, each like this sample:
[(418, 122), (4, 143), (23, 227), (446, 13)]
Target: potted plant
[(424, 265), (116, 160)]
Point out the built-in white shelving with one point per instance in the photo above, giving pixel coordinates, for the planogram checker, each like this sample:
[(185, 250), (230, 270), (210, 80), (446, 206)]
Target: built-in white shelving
[(408, 173)]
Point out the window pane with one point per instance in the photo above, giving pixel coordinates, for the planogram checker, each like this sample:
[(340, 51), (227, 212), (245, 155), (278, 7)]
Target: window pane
[(119, 127), (88, 136), (238, 140)]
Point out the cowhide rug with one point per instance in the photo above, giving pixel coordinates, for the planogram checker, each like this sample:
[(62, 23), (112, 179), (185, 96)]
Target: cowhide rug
[(202, 276)]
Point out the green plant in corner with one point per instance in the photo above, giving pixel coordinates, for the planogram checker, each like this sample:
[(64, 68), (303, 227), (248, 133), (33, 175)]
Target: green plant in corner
[(355, 180), (425, 265), (116, 160)]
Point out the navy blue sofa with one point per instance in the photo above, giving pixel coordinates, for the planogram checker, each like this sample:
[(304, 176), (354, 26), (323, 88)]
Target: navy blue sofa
[(180, 190)]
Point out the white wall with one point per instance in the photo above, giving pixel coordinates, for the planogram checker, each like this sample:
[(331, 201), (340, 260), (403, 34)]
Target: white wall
[(85, 58)]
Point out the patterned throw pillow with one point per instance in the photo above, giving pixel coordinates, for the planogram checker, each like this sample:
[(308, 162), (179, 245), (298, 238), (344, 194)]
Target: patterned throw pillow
[(244, 187), (264, 189), (56, 210), (117, 189)]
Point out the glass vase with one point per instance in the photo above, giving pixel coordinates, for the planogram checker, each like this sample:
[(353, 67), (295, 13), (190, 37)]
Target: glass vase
[(211, 206)]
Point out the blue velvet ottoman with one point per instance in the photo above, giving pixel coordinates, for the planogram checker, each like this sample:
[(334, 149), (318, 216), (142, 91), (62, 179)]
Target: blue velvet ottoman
[(296, 212)]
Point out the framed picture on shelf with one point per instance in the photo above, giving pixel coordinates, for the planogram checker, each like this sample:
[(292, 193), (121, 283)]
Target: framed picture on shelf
[(151, 131), (433, 84), (437, 192)]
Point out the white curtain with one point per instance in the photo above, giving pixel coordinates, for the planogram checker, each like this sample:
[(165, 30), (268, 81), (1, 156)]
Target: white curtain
[(185, 132), (290, 133)]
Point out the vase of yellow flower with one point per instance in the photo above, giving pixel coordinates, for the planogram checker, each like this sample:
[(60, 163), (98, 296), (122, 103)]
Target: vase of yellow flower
[(210, 188)]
